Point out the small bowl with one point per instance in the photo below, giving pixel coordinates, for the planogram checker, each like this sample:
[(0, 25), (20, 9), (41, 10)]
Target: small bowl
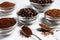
[(7, 10), (52, 20), (7, 31), (40, 7), (27, 20)]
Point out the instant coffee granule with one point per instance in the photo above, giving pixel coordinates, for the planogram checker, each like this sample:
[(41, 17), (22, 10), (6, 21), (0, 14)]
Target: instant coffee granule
[(7, 22), (7, 5), (27, 12), (27, 31), (46, 30), (54, 13), (42, 1)]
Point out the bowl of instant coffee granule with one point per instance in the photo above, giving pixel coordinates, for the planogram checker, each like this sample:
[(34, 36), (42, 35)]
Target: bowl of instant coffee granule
[(41, 5), (27, 15), (53, 16)]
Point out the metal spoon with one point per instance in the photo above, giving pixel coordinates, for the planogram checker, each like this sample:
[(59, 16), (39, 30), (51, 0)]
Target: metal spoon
[(30, 34)]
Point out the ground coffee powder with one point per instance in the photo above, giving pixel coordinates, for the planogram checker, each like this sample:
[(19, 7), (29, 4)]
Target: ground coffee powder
[(7, 22), (7, 5), (54, 13)]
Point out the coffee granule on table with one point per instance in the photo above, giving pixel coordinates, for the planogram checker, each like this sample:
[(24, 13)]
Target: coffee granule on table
[(7, 5), (44, 26), (27, 31), (27, 12), (42, 1), (46, 30), (54, 13), (7, 22)]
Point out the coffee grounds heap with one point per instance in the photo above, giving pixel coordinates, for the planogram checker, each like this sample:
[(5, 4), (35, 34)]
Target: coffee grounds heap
[(7, 5), (27, 12), (7, 23), (54, 13), (27, 31)]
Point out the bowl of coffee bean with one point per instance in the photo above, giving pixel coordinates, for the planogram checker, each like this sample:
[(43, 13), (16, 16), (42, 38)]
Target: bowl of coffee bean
[(27, 15), (41, 5)]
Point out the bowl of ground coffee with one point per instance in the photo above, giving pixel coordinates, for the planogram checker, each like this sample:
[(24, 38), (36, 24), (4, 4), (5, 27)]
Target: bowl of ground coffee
[(41, 5), (7, 6), (53, 16), (27, 15), (6, 26)]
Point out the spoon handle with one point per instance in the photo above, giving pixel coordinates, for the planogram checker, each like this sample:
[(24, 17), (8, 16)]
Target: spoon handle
[(36, 37)]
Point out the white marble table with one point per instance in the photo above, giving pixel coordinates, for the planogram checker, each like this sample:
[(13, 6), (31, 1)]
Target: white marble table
[(16, 34)]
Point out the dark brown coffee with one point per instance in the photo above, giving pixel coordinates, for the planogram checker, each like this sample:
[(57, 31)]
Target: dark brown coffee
[(46, 30), (7, 22), (27, 30), (42, 1), (7, 5), (54, 13), (27, 12)]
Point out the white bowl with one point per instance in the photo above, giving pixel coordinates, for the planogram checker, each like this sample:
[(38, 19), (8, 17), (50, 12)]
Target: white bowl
[(7, 31), (41, 7), (29, 20)]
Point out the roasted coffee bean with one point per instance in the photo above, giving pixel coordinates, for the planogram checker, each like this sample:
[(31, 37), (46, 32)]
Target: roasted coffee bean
[(27, 12), (42, 1)]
